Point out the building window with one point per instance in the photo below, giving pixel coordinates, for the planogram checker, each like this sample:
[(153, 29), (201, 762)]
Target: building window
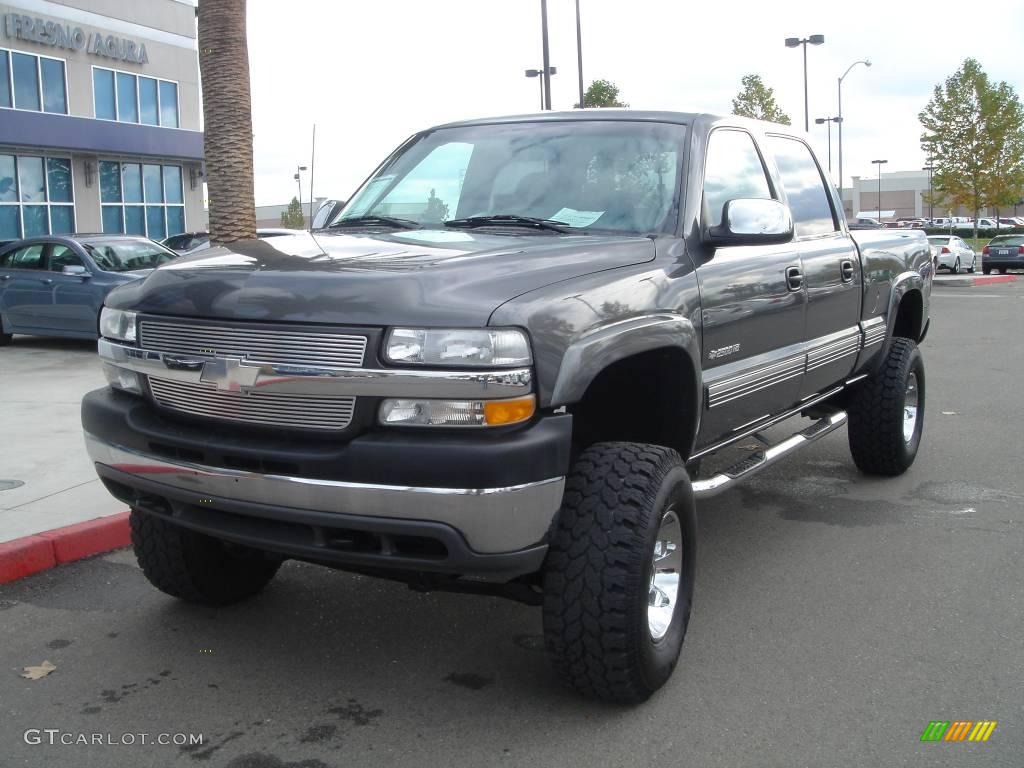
[(142, 199), (130, 98), (36, 196), (36, 83), (168, 104), (103, 94)]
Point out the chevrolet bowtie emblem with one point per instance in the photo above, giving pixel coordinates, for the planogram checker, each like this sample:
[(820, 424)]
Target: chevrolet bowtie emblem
[(230, 374)]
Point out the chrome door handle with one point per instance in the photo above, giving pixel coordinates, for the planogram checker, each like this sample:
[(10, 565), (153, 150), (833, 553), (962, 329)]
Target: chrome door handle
[(794, 278), (5, 277), (846, 270), (46, 280)]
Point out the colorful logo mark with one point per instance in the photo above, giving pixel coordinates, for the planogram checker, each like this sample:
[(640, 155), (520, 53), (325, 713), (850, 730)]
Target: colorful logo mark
[(959, 730)]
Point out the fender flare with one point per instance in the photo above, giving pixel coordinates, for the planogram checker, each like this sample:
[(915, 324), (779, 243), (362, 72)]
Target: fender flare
[(603, 345), (901, 286)]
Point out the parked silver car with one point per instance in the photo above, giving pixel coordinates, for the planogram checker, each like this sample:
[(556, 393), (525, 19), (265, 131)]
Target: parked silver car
[(954, 253)]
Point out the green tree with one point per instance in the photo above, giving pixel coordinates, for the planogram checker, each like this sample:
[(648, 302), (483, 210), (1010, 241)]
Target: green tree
[(757, 100), (227, 119), (973, 133), (1004, 184), (437, 209), (602, 93), (292, 217)]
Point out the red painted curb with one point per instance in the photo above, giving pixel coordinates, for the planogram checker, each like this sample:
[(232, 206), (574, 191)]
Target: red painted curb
[(985, 279), (31, 554), (973, 281), (25, 556)]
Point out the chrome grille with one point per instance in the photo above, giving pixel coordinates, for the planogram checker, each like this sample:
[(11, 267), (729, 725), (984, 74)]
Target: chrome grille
[(306, 348), (272, 409)]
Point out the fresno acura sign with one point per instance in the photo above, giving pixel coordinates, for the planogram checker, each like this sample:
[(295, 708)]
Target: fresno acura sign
[(60, 35)]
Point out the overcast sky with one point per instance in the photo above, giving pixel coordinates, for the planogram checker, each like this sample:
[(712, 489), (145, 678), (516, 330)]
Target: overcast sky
[(370, 74)]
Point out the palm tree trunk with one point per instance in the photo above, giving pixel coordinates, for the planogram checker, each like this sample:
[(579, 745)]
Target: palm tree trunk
[(227, 118)]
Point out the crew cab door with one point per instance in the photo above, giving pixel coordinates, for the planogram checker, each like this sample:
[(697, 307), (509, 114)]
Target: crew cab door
[(752, 301), (831, 265)]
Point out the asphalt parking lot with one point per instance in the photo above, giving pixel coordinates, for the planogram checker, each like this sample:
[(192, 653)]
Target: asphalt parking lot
[(835, 616)]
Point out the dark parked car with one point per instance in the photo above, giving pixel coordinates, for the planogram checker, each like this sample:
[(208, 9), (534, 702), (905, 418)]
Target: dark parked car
[(1003, 253), (55, 285)]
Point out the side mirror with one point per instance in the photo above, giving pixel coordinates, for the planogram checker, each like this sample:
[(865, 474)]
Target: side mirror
[(751, 221), (75, 270)]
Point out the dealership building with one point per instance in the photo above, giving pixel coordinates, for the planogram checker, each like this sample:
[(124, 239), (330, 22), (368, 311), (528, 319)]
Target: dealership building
[(99, 118)]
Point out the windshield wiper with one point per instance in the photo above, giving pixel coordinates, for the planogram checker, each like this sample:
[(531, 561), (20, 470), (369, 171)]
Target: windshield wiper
[(510, 219), (380, 221)]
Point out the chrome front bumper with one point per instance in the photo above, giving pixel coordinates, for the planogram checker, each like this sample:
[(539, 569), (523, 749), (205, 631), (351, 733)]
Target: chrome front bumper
[(492, 520)]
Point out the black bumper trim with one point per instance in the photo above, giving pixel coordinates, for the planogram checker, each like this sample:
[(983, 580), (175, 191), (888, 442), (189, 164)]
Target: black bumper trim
[(341, 540)]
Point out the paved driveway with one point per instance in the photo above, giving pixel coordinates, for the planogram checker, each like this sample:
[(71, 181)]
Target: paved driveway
[(836, 616)]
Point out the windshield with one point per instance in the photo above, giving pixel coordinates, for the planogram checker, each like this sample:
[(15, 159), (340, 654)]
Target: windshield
[(127, 255), (610, 175)]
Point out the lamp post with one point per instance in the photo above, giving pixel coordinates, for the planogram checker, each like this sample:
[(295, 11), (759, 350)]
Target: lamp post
[(931, 204), (579, 53), (546, 56), (793, 42), (539, 74), (828, 121), (879, 163), (298, 180), (866, 63)]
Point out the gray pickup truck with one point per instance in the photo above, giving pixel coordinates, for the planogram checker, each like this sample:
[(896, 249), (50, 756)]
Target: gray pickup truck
[(497, 369)]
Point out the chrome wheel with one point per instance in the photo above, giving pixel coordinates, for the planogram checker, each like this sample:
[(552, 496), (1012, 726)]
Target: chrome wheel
[(665, 571), (910, 402)]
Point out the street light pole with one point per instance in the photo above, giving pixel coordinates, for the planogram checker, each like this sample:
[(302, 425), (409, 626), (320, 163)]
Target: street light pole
[(579, 52), (879, 163), (866, 63), (931, 204), (546, 56), (538, 73), (793, 42), (298, 180), (828, 121)]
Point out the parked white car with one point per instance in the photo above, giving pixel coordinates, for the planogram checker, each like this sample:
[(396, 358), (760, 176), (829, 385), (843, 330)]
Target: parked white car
[(983, 223), (954, 253)]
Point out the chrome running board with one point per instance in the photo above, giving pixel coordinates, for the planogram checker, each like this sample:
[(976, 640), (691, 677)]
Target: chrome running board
[(758, 460)]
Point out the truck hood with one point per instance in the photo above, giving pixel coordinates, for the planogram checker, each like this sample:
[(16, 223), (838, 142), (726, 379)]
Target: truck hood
[(414, 277)]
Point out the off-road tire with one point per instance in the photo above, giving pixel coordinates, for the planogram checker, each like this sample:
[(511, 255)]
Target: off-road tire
[(876, 412), (195, 567), (597, 576)]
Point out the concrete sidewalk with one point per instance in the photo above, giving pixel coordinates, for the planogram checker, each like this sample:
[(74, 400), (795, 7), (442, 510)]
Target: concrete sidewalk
[(41, 448)]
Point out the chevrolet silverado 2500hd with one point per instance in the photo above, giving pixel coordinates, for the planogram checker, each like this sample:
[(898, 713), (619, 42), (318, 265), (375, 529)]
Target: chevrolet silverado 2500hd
[(497, 370)]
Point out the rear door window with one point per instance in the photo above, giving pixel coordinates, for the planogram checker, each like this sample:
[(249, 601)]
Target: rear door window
[(29, 257), (805, 187)]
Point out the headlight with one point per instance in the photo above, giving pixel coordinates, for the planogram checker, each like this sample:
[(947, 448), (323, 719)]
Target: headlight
[(117, 324), (456, 413), (471, 347)]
